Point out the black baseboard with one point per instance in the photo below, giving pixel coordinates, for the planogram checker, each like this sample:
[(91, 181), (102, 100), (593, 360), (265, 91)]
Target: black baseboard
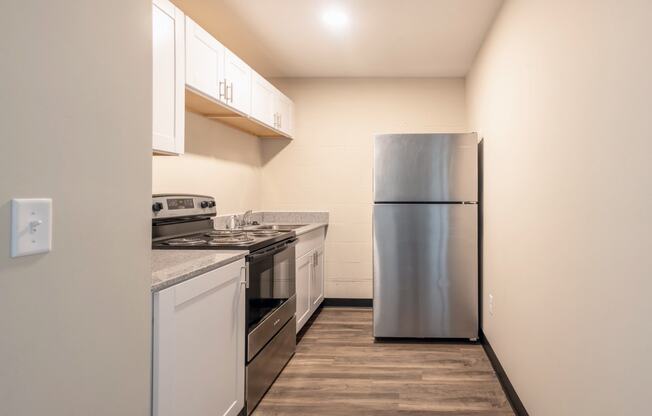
[(344, 302), (508, 388)]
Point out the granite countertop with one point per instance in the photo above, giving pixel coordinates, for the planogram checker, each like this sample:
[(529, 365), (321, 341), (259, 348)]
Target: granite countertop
[(170, 267), (312, 219), (310, 227)]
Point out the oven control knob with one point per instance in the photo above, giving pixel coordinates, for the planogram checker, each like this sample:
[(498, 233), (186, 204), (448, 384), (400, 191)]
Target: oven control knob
[(204, 204), (211, 204), (157, 206)]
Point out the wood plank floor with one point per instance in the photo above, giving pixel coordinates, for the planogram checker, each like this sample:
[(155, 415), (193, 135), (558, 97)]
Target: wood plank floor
[(339, 370)]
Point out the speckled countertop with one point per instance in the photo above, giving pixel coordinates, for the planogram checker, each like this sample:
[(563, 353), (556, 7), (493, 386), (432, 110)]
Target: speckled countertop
[(312, 219), (170, 267), (308, 227)]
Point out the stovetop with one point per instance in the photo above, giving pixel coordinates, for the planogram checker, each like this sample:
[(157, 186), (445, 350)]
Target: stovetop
[(209, 239)]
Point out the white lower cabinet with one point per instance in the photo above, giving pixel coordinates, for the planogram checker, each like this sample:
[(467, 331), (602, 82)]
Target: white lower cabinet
[(198, 345), (303, 278), (309, 275), (317, 281)]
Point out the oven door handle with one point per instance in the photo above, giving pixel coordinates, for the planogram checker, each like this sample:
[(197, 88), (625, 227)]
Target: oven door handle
[(272, 251)]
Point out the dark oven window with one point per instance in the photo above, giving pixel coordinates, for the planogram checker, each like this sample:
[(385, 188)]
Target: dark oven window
[(271, 282)]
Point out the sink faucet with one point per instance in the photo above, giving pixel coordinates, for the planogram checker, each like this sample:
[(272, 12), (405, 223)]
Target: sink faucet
[(245, 219)]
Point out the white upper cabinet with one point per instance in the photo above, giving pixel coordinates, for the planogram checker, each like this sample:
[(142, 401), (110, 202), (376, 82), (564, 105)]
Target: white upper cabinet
[(284, 109), (204, 62), (263, 96), (237, 78), (270, 106), (168, 78), (228, 90)]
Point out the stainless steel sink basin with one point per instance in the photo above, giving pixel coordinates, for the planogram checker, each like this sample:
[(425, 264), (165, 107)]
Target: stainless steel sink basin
[(278, 226)]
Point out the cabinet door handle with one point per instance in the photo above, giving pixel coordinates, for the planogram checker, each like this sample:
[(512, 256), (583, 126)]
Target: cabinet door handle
[(221, 90), (245, 282), (228, 91), (280, 120)]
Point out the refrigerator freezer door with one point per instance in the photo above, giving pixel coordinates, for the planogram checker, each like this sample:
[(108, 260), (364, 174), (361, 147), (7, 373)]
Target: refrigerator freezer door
[(425, 270), (425, 167)]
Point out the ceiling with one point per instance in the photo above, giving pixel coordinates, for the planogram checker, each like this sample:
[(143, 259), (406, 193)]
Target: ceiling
[(368, 38)]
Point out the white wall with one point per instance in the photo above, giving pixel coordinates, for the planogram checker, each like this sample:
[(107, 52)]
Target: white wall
[(560, 92), (219, 161), (75, 114), (328, 164)]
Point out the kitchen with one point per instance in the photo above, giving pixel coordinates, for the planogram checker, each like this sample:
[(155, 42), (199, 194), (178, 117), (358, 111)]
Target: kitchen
[(543, 85)]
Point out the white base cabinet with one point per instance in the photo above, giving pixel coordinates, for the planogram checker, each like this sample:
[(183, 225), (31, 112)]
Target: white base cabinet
[(198, 345), (309, 275)]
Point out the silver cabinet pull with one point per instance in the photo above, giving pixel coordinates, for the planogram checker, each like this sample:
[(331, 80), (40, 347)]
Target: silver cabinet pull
[(280, 120), (228, 91), (221, 92), (245, 282)]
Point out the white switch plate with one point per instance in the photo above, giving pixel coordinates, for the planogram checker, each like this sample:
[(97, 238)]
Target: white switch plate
[(31, 226)]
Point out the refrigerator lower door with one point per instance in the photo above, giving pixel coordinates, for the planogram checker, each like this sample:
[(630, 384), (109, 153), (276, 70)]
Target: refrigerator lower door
[(425, 269)]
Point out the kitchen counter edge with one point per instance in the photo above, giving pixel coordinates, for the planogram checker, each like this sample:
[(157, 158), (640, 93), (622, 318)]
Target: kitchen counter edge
[(310, 227), (171, 267)]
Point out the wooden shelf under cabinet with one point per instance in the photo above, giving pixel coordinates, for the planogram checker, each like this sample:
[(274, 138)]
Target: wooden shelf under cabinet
[(209, 108)]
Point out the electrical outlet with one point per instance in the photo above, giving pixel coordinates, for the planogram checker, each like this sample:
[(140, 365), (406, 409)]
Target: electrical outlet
[(491, 304)]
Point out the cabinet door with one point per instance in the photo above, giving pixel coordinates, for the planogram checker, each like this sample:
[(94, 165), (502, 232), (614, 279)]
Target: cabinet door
[(263, 95), (284, 113), (317, 281), (204, 62), (303, 277), (237, 76), (199, 334), (168, 77)]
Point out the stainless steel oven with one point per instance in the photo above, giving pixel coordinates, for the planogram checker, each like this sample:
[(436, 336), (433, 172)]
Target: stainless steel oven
[(271, 305)]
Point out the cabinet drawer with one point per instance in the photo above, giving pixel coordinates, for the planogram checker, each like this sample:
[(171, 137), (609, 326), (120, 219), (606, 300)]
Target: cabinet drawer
[(310, 241)]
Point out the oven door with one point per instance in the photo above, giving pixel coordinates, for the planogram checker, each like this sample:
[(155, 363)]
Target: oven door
[(270, 294)]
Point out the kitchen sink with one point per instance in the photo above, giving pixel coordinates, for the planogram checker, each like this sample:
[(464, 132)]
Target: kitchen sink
[(278, 226)]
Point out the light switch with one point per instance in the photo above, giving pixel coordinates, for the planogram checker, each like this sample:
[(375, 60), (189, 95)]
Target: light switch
[(31, 226)]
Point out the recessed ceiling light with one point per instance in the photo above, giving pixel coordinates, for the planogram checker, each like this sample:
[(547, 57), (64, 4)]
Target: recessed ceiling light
[(335, 18)]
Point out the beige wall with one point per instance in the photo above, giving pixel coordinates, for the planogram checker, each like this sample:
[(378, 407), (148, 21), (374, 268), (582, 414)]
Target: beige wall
[(328, 164), (219, 161), (75, 114), (560, 93)]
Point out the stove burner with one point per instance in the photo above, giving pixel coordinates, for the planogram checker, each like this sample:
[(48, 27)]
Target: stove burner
[(187, 241), (225, 233), (230, 241), (264, 233), (232, 237)]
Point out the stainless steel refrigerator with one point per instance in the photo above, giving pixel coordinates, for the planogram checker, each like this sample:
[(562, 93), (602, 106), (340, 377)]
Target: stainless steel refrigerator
[(425, 235)]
